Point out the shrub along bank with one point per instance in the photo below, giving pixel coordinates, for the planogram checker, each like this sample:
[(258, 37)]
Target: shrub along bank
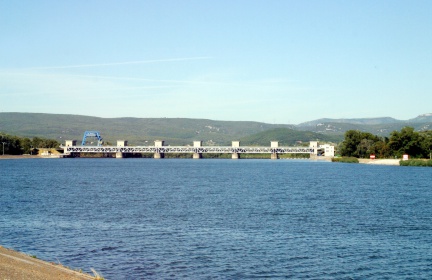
[(416, 162), (346, 159)]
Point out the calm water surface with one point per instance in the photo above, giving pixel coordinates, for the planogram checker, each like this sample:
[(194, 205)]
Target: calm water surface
[(220, 219)]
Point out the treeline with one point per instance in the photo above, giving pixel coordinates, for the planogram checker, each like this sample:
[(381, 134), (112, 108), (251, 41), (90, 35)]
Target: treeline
[(407, 141), (14, 145)]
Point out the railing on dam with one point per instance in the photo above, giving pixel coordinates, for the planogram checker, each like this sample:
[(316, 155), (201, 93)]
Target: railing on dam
[(159, 149), (187, 149)]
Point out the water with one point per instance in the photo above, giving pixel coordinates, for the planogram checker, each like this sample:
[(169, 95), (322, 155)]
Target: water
[(220, 219)]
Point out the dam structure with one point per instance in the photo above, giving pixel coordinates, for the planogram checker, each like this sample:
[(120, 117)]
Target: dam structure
[(197, 149)]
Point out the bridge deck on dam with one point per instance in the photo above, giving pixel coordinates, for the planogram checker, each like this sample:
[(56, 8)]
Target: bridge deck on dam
[(188, 149)]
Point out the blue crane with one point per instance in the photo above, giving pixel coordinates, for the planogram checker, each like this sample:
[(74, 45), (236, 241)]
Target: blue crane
[(92, 134)]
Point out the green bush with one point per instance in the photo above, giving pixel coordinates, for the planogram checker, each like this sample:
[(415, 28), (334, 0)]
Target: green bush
[(416, 162), (346, 159)]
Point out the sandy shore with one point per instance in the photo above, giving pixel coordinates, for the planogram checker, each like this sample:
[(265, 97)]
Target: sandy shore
[(15, 265), (26, 157), (379, 161), (18, 157)]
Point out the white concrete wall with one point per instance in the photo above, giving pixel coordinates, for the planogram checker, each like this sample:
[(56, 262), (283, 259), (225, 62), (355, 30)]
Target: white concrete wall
[(70, 143), (122, 143)]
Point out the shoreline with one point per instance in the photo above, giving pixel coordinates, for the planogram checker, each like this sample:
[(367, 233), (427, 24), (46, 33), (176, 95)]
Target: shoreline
[(27, 156), (17, 265), (394, 162)]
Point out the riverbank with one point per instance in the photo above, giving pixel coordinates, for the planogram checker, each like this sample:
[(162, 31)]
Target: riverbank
[(27, 156), (361, 160), (17, 156), (16, 265)]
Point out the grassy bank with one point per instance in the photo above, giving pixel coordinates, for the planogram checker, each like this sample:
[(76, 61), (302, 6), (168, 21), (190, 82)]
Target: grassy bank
[(416, 162), (345, 159)]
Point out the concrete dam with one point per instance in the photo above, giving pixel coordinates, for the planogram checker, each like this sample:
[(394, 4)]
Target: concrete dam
[(197, 149)]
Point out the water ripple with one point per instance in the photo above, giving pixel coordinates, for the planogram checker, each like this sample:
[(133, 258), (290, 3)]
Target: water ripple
[(220, 219)]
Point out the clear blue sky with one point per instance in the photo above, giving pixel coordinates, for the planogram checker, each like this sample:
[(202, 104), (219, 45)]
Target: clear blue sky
[(269, 61)]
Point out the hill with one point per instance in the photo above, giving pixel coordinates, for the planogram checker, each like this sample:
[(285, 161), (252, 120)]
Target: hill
[(138, 131), (182, 131), (361, 121), (377, 126), (422, 118), (287, 137)]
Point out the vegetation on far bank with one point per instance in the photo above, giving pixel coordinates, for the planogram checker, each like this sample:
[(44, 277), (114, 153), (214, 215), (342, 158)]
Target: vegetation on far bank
[(356, 144), (345, 159), (416, 162), (14, 145), (363, 144)]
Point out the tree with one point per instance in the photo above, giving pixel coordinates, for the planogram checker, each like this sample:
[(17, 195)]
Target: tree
[(427, 143), (14, 145), (381, 149), (407, 141), (37, 142), (26, 145), (349, 146), (364, 148), (358, 144)]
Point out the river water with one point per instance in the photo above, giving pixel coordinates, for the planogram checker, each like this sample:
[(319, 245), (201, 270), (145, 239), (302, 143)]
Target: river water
[(220, 219)]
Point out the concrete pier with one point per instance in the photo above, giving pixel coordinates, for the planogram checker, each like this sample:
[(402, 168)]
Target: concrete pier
[(158, 144), (314, 145), (235, 156), (70, 143), (197, 144), (274, 144), (121, 143), (235, 144)]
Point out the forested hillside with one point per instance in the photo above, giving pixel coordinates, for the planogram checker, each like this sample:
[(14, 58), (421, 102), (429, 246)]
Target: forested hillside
[(378, 126), (181, 131), (138, 131), (287, 137)]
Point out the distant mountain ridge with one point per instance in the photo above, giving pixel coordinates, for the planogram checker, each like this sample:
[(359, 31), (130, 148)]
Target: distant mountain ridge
[(183, 131), (138, 131), (378, 126), (422, 118), (367, 121)]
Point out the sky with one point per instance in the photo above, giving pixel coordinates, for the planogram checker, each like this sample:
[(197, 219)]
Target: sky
[(276, 61)]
